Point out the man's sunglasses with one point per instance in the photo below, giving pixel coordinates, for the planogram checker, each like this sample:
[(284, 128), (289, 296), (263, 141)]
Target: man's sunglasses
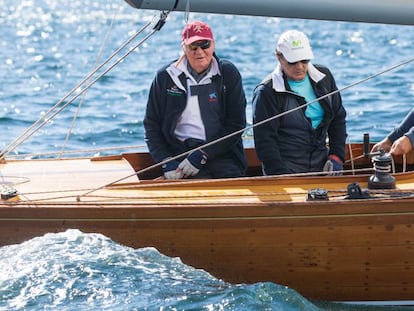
[(304, 61), (205, 44)]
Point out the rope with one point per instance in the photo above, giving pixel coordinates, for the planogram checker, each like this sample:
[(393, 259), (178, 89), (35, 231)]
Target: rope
[(251, 127), (351, 157), (46, 118), (78, 151), (187, 12), (84, 94), (50, 114), (186, 181), (335, 193)]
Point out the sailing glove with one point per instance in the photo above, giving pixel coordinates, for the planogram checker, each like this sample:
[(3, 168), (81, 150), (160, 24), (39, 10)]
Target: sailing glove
[(191, 165), (171, 171), (333, 165)]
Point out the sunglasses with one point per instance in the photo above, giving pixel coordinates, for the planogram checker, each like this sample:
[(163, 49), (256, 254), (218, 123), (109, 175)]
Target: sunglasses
[(304, 61), (205, 44)]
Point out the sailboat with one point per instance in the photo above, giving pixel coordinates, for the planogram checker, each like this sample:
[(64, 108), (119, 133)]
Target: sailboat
[(333, 238)]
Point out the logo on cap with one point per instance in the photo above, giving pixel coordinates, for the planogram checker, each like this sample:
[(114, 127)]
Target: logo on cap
[(297, 44), (196, 31), (198, 28)]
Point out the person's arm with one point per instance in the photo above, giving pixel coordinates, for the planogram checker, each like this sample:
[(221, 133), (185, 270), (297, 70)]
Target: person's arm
[(405, 127), (266, 134), (402, 145), (401, 139), (154, 120)]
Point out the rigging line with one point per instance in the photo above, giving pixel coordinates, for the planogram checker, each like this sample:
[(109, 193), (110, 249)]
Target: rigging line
[(76, 151), (322, 97), (78, 198), (293, 109), (195, 182), (250, 126), (187, 12), (97, 78), (404, 162), (32, 129), (84, 94), (351, 156)]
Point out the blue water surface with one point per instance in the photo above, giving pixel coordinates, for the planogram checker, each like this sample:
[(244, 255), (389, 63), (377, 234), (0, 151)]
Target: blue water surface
[(47, 47)]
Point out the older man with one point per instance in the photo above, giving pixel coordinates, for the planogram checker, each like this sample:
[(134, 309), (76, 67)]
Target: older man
[(195, 100)]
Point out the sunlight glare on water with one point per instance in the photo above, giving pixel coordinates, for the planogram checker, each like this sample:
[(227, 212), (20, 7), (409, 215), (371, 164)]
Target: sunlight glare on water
[(47, 47)]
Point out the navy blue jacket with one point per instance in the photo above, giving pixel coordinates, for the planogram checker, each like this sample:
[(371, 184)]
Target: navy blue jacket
[(406, 128), (167, 101), (289, 144)]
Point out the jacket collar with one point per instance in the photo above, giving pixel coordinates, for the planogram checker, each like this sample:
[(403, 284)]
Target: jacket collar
[(279, 84), (176, 69)]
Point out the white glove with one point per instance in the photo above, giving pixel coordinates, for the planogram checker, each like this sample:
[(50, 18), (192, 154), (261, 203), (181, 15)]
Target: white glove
[(328, 167), (333, 168), (191, 165), (187, 169), (171, 170), (177, 174)]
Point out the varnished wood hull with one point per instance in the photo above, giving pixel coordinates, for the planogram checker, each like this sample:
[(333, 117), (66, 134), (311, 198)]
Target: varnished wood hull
[(246, 230)]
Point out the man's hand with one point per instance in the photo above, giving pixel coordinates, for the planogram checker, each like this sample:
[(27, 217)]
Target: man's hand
[(171, 170), (384, 144), (191, 165), (333, 165), (401, 146)]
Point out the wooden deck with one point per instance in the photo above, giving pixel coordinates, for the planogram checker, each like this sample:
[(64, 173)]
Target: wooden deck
[(54, 178)]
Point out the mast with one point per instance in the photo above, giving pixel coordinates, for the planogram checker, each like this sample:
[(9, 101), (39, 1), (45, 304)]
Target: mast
[(399, 12)]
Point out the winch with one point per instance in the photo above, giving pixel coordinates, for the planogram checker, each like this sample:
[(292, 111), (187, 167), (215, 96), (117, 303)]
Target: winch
[(382, 179)]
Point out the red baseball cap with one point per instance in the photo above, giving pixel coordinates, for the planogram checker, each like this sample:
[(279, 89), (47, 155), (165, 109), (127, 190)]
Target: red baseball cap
[(196, 31)]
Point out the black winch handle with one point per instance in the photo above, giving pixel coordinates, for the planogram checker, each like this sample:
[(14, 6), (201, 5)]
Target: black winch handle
[(366, 145)]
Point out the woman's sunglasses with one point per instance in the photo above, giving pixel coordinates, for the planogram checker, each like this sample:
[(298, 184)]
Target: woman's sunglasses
[(205, 44)]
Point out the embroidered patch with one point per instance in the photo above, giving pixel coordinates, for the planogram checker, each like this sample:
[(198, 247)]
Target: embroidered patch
[(174, 91), (212, 97)]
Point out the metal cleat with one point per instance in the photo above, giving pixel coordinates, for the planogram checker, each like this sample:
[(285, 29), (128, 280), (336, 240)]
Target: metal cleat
[(8, 192), (317, 194)]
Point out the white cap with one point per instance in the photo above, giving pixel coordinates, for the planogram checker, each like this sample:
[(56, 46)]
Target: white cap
[(294, 45)]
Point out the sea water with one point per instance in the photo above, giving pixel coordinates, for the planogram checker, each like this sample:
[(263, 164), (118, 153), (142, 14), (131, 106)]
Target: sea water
[(47, 47), (76, 271)]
